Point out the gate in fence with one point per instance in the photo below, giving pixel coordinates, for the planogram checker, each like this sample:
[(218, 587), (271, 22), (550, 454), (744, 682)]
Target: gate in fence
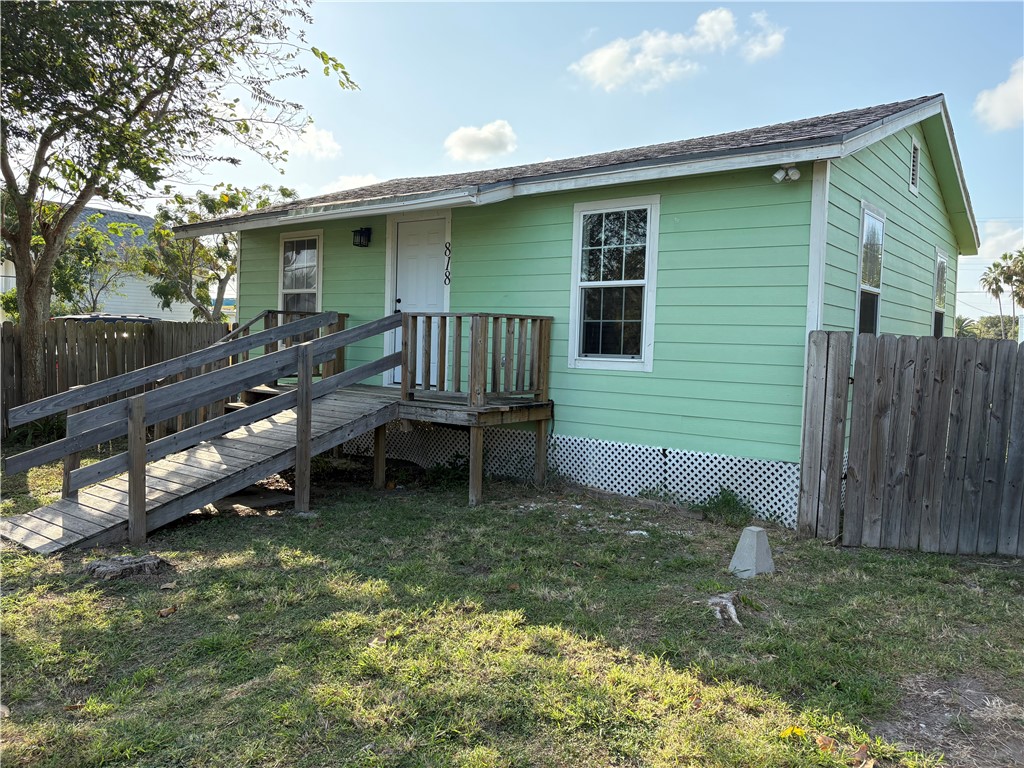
[(933, 441)]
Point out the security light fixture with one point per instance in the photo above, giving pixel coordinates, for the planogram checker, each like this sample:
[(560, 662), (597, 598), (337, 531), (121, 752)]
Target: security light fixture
[(361, 237), (786, 173)]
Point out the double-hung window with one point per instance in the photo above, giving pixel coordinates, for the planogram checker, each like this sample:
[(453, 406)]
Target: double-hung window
[(300, 272), (939, 315), (872, 235), (615, 247)]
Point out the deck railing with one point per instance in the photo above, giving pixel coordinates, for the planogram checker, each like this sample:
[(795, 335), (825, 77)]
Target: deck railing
[(478, 356)]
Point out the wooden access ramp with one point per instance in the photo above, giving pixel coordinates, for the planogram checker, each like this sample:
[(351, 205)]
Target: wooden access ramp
[(484, 370), (188, 480)]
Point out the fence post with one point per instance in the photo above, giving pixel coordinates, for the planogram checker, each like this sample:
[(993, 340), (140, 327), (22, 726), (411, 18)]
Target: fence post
[(73, 460), (811, 434), (137, 470), (478, 360), (303, 427)]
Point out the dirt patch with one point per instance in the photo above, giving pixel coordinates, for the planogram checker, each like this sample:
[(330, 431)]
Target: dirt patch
[(974, 723)]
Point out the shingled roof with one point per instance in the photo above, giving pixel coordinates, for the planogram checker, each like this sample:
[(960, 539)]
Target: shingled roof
[(763, 143)]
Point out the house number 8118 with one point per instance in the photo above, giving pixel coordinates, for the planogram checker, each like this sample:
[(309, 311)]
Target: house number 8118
[(447, 263)]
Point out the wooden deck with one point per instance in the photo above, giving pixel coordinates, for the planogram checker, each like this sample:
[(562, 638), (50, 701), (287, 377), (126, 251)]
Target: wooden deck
[(186, 481)]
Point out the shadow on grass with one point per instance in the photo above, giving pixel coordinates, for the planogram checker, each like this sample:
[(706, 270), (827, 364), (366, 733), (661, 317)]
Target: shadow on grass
[(407, 629)]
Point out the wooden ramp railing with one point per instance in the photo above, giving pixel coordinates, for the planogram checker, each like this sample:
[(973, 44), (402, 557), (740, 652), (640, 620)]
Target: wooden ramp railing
[(91, 426)]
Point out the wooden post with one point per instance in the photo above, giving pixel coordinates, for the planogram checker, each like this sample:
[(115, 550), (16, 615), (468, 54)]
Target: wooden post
[(476, 464), (304, 427), (337, 365), (270, 321), (478, 361), (540, 468), (408, 356), (73, 460), (380, 437), (137, 470), (813, 424)]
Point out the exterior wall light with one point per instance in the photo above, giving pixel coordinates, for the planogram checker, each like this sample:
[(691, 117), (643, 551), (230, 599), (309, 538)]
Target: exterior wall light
[(786, 173), (361, 237)]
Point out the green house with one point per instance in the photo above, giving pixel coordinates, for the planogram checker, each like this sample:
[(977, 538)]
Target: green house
[(683, 279)]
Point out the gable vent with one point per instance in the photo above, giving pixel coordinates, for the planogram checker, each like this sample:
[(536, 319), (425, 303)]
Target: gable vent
[(915, 166)]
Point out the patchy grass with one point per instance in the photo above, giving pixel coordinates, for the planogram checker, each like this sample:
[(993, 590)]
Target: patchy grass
[(405, 629)]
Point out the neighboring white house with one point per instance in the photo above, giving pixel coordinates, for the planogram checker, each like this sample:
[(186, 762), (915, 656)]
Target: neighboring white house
[(135, 297)]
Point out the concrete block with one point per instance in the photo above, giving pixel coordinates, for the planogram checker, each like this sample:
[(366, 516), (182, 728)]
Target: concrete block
[(753, 556)]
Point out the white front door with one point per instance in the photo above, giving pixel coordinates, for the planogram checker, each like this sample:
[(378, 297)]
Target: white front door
[(419, 279)]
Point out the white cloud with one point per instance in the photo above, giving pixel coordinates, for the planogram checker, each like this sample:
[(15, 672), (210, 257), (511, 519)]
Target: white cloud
[(656, 58), (473, 144), (1002, 108), (312, 142), (767, 42), (348, 182)]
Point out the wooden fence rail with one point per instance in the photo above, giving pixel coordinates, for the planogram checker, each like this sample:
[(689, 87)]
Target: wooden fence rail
[(78, 353), (936, 444)]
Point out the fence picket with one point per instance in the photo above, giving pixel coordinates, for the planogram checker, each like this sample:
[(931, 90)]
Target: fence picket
[(860, 437), (936, 415), (810, 450), (913, 482), (993, 466), (881, 415), (953, 465), (1010, 537), (974, 463), (899, 440)]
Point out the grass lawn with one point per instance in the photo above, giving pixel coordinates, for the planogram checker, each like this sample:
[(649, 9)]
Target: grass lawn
[(403, 628)]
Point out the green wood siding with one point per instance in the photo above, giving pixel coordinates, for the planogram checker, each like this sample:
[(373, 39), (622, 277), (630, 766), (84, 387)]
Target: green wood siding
[(730, 314), (730, 310), (915, 226), (353, 278)]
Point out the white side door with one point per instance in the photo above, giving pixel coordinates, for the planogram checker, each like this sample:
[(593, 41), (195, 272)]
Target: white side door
[(419, 280)]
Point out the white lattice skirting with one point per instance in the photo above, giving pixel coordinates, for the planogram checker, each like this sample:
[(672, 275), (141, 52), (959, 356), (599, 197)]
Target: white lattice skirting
[(770, 487)]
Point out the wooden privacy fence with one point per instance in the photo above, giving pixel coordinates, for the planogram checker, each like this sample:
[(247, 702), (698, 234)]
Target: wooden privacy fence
[(77, 353), (935, 449)]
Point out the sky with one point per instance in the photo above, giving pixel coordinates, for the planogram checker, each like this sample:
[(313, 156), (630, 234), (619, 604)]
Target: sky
[(452, 87)]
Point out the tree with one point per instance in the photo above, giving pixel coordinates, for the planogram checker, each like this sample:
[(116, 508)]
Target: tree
[(995, 327), (91, 264), (1012, 275), (199, 270), (992, 281), (964, 328), (108, 99)]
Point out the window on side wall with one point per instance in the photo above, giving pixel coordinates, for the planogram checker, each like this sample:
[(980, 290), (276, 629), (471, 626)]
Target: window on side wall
[(615, 248), (939, 315), (300, 272), (869, 294)]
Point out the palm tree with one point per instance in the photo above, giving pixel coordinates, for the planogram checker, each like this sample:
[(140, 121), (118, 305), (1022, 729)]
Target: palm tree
[(992, 281), (964, 328)]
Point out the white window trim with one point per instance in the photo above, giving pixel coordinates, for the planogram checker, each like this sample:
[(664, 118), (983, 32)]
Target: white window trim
[(305, 234), (646, 360), (866, 208), (915, 179)]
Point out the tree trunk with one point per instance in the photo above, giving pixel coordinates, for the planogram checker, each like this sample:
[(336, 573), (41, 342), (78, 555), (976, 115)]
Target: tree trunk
[(33, 312)]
